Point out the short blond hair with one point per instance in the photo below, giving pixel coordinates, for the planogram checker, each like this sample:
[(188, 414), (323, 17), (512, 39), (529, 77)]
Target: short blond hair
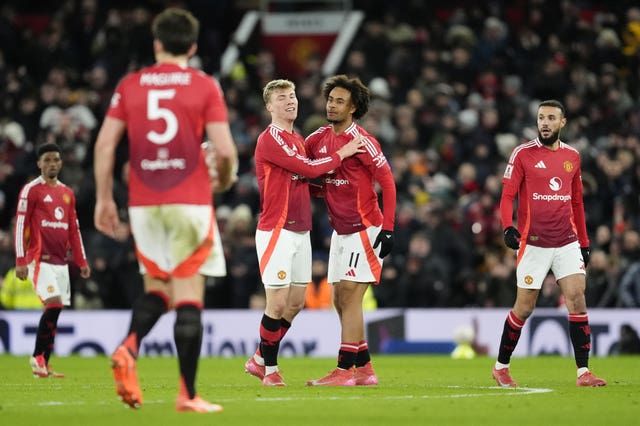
[(274, 85)]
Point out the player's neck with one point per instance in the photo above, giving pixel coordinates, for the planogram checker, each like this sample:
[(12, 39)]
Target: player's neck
[(50, 181), (165, 58), (283, 124), (341, 126)]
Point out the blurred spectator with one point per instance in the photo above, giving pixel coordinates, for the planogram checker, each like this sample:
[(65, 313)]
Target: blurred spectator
[(18, 294), (629, 343), (319, 293), (601, 291)]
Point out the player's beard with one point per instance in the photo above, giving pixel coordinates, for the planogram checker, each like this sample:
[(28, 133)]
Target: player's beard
[(550, 140)]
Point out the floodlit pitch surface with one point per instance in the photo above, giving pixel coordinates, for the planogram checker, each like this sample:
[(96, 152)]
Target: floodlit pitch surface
[(413, 390)]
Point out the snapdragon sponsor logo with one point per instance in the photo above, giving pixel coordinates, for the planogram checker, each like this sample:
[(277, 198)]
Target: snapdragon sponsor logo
[(55, 225), (336, 182), (551, 197), (165, 79), (164, 164)]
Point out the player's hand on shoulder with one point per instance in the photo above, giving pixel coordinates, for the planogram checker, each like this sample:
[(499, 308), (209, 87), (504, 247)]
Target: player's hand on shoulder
[(354, 146)]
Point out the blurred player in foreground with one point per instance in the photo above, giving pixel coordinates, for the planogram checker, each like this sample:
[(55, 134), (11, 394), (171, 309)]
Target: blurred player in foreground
[(164, 109)]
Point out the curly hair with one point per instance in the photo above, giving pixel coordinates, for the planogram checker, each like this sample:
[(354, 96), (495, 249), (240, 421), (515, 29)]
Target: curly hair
[(360, 95)]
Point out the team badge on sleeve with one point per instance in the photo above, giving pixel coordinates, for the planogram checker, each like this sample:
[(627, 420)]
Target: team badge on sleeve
[(508, 171)]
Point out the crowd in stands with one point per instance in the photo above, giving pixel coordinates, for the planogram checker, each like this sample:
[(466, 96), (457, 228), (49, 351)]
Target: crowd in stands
[(455, 87)]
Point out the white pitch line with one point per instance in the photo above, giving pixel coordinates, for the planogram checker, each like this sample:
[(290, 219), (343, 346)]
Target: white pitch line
[(499, 392)]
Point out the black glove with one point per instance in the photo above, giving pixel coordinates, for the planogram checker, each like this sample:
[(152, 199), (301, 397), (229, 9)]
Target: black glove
[(512, 238), (586, 254), (386, 239)]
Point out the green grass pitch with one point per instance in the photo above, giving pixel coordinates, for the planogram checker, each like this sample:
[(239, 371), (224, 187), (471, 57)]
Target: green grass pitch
[(413, 390)]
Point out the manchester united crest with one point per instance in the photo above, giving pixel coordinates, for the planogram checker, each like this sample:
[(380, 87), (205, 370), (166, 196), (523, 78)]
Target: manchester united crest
[(528, 279), (568, 166), (282, 275)]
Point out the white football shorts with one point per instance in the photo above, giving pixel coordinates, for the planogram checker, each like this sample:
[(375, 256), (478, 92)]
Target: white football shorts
[(352, 257), (535, 263), (284, 257), (50, 281), (177, 240)]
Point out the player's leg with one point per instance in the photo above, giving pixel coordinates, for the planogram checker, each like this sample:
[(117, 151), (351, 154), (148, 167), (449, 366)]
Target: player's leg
[(146, 312), (188, 296), (53, 287), (533, 265), (270, 334), (45, 337), (569, 269)]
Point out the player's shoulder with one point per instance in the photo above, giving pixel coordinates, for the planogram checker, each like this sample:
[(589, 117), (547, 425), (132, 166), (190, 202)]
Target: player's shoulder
[(270, 134), (318, 133), (33, 184), (524, 148), (356, 128), (569, 149)]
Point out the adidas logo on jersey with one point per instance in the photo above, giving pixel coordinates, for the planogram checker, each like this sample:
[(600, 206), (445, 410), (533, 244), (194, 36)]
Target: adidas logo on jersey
[(48, 199), (540, 165), (323, 150)]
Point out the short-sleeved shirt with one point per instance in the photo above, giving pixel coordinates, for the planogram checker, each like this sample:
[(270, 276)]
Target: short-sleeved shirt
[(166, 108)]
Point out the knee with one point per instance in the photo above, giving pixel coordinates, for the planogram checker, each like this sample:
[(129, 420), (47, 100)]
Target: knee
[(276, 308), (294, 307), (523, 311)]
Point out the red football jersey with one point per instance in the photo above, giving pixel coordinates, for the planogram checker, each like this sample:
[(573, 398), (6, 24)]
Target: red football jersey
[(166, 107), (282, 170), (350, 189), (47, 225), (549, 190)]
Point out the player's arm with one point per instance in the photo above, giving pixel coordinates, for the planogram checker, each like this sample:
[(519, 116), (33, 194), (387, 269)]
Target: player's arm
[(106, 213), (24, 212), (577, 207), (77, 248), (282, 156), (511, 181), (384, 177), (223, 155)]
